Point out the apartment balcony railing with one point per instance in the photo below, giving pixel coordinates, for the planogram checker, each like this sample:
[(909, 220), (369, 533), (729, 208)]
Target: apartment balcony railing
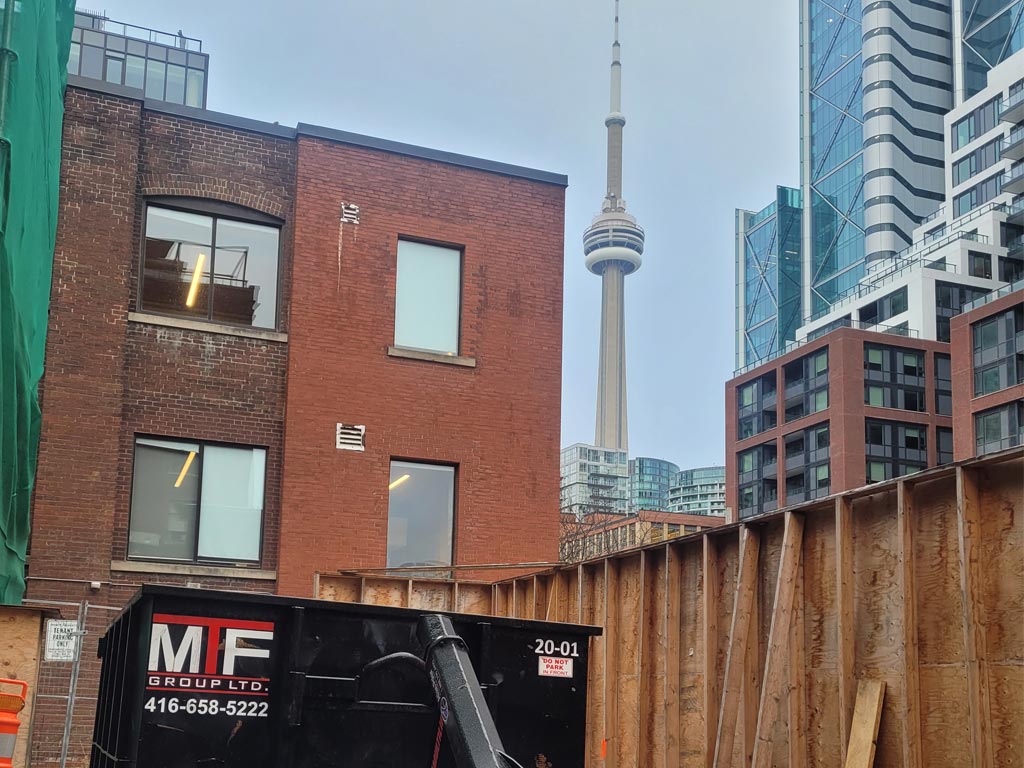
[(1012, 110), (997, 293), (905, 260), (1013, 180), (1013, 145), (170, 39)]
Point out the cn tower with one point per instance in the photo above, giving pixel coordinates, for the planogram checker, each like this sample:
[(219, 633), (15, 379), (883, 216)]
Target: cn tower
[(613, 245)]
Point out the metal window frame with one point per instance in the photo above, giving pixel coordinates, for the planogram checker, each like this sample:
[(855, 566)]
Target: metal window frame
[(196, 559), (215, 210)]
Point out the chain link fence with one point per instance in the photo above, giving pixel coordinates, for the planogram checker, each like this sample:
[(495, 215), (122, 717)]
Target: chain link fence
[(67, 684)]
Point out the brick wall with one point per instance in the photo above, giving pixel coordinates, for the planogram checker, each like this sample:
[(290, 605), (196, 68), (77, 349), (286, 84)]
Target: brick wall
[(109, 378), (499, 421)]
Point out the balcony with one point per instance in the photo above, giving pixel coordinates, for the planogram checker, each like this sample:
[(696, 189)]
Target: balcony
[(989, 297), (1013, 180), (1015, 213), (1012, 110), (1013, 145)]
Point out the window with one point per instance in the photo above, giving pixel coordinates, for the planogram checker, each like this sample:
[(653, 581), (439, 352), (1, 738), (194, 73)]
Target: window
[(943, 385), (427, 297), (884, 308), (421, 515), (945, 444), (876, 396), (747, 394), (874, 359), (878, 471), (820, 362), (820, 400), (195, 501), (980, 265), (210, 267), (894, 378)]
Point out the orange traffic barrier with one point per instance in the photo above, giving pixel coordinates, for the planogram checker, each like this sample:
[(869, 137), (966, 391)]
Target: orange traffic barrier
[(10, 705)]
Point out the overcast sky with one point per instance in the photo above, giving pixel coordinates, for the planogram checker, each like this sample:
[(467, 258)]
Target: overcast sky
[(710, 93)]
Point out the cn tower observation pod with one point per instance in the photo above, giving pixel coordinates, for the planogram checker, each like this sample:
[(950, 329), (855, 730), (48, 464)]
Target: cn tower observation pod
[(613, 236)]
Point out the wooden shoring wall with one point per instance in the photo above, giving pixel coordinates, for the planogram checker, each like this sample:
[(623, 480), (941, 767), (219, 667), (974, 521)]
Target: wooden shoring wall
[(743, 645)]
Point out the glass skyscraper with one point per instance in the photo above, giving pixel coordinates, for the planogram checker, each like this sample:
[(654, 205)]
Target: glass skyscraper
[(833, 151), (989, 31), (768, 268), (875, 84)]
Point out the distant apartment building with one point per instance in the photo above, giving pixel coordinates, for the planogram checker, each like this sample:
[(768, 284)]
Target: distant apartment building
[(699, 491), (849, 408), (593, 480), (649, 483)]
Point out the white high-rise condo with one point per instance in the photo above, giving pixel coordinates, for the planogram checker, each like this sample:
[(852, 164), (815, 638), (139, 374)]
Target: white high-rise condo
[(613, 245)]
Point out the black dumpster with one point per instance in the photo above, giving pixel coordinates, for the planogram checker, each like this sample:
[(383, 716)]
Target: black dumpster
[(201, 678)]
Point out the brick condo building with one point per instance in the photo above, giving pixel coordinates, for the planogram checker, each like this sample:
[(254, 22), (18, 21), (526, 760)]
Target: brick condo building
[(275, 351)]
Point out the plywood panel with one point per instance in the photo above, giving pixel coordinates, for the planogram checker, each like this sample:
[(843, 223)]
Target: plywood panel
[(19, 660), (384, 592), (339, 589), (474, 598), (658, 674)]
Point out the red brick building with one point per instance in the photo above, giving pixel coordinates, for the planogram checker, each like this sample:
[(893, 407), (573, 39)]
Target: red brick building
[(846, 409), (274, 351), (988, 374)]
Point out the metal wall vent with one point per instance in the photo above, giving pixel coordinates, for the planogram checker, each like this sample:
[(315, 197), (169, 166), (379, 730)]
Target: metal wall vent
[(350, 437)]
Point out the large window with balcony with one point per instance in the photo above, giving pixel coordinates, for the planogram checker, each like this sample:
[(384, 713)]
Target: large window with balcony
[(214, 263), (757, 470), (807, 470), (978, 123), (883, 309), (998, 351), (999, 428), (806, 385), (196, 502), (894, 377), (949, 301), (894, 449), (756, 409)]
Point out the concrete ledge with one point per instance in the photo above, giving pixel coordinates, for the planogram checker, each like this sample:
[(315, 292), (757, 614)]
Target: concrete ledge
[(432, 357), (201, 325), (221, 571)]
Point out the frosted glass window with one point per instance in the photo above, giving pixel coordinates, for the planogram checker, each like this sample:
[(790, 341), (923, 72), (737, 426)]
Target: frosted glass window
[(232, 503), (421, 515), (427, 297), (196, 502)]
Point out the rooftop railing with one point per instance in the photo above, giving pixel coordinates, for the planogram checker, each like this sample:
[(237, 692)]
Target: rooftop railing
[(100, 23), (998, 293), (845, 322)]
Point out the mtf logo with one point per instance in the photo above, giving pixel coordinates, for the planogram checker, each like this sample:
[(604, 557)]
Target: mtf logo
[(200, 653)]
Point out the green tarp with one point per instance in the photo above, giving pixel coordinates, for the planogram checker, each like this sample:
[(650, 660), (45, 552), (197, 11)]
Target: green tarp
[(35, 37)]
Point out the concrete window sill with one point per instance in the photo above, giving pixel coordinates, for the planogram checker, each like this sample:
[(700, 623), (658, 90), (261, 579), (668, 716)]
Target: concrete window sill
[(432, 357), (206, 327), (181, 569)]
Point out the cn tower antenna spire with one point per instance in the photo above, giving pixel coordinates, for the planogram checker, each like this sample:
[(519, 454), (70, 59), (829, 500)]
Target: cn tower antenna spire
[(613, 245)]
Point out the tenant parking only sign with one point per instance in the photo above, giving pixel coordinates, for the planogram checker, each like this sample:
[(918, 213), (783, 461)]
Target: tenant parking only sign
[(61, 639)]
